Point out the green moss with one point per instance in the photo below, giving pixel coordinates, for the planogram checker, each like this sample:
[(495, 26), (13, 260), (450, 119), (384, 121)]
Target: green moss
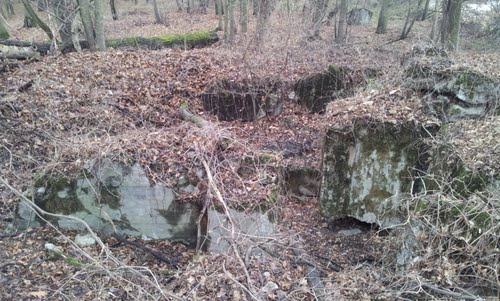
[(109, 196), (189, 40), (60, 195)]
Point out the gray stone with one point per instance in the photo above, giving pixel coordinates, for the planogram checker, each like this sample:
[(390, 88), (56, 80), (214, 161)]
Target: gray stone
[(246, 225), (360, 16), (85, 240), (111, 196), (367, 170), (453, 92)]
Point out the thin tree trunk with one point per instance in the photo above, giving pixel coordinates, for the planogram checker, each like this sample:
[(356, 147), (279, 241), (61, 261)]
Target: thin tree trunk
[(179, 5), (99, 25), (226, 21), (4, 33), (450, 25), (411, 17), (113, 9), (342, 27), (244, 15), (425, 12), (314, 17), (232, 21), (434, 36), (264, 10), (64, 11), (219, 11), (10, 8), (86, 17), (159, 18), (382, 18), (36, 20)]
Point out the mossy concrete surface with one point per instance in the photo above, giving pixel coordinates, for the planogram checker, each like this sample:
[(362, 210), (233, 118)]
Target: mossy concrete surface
[(111, 196), (368, 169)]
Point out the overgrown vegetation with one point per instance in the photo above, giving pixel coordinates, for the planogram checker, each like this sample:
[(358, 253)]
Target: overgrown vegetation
[(123, 105)]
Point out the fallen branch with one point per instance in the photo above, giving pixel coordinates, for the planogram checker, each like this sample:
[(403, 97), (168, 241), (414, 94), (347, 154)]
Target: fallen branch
[(449, 293), (156, 254)]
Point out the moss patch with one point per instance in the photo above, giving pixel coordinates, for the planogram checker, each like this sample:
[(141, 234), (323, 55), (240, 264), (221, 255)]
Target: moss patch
[(182, 40), (60, 195)]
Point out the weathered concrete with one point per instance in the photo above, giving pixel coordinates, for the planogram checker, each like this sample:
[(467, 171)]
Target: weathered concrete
[(367, 170), (110, 197)]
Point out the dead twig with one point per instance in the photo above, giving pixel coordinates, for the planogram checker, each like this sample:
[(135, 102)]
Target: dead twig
[(156, 254)]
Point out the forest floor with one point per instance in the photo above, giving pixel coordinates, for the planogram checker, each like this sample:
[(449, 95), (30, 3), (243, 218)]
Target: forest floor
[(124, 104)]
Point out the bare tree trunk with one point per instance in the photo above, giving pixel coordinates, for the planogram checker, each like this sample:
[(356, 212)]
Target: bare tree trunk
[(219, 11), (342, 26), (314, 17), (9, 8), (36, 20), (233, 29), (226, 20), (450, 25), (4, 33), (434, 36), (411, 17), (159, 17), (113, 9), (64, 10), (99, 25), (382, 18), (86, 17), (264, 10), (179, 5), (425, 12), (244, 15)]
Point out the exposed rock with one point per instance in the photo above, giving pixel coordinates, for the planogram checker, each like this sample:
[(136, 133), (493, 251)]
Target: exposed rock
[(360, 16), (245, 101), (367, 169), (316, 91), (84, 240), (246, 225), (453, 92), (110, 197)]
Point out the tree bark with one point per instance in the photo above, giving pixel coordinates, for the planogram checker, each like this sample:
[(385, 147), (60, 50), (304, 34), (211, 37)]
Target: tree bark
[(10, 8), (265, 8), (86, 17), (342, 26), (4, 33), (233, 29), (244, 15), (411, 17), (99, 25), (159, 18), (219, 11), (425, 11), (314, 17), (114, 14), (36, 20), (450, 25), (64, 10), (382, 18)]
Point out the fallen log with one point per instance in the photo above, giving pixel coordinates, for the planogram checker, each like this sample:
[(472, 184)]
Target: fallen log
[(18, 52), (197, 39)]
